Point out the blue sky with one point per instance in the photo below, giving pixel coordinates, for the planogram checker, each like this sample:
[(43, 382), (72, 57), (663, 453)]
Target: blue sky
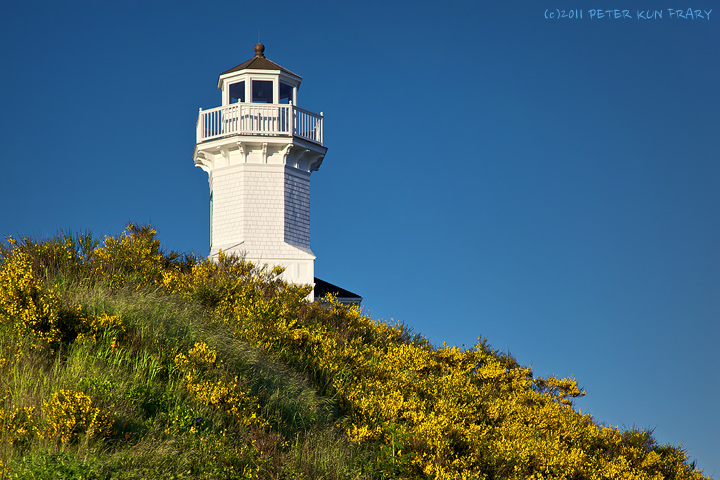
[(548, 184)]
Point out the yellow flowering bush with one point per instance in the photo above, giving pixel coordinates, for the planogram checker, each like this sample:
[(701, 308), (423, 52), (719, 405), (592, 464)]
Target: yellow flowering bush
[(133, 257), (93, 327), (232, 288), (70, 415), (31, 308), (208, 386), (17, 425), (202, 354), (38, 311)]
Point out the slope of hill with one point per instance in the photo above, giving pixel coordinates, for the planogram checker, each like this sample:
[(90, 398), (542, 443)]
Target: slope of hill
[(118, 360)]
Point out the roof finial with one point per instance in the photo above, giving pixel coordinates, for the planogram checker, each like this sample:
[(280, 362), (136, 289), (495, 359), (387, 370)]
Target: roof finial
[(259, 50)]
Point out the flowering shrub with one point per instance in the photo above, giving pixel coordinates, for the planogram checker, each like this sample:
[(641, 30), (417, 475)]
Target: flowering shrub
[(25, 304), (233, 288), (135, 256), (95, 326), (17, 425), (39, 312), (219, 392), (71, 415)]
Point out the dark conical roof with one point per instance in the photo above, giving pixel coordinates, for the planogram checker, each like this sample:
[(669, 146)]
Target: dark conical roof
[(259, 62)]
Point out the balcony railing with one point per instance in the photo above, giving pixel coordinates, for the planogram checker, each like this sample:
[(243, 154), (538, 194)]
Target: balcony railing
[(259, 119)]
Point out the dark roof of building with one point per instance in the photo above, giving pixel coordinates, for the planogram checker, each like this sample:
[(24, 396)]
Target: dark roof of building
[(259, 62), (322, 288)]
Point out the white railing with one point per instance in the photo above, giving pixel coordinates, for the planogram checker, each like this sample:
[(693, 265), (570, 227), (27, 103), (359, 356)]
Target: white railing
[(259, 119)]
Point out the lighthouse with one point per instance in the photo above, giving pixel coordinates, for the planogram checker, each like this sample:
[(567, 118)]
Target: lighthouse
[(259, 149)]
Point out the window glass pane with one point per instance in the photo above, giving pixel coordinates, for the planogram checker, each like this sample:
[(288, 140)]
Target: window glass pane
[(285, 93), (262, 91), (237, 92)]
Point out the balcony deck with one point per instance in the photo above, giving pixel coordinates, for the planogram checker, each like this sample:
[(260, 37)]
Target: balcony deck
[(259, 119)]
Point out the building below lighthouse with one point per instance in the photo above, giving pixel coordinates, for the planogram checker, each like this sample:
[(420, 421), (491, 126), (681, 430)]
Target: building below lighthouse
[(259, 149)]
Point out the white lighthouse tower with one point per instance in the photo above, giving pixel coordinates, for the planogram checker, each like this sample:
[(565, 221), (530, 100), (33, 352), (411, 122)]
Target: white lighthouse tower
[(259, 149)]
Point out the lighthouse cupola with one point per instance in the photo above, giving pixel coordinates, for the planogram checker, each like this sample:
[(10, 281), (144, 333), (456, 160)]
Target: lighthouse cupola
[(259, 80), (259, 149)]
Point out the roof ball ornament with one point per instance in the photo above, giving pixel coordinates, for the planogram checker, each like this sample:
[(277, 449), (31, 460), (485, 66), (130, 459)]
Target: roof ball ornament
[(259, 50)]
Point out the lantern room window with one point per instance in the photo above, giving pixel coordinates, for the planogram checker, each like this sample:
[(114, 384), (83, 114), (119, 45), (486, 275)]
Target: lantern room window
[(237, 92), (286, 93), (262, 91)]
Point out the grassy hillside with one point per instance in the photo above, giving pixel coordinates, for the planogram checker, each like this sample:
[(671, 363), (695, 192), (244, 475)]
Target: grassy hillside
[(118, 360)]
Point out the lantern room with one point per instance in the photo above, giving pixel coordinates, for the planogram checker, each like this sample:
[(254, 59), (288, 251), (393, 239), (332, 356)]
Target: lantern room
[(259, 80), (259, 97)]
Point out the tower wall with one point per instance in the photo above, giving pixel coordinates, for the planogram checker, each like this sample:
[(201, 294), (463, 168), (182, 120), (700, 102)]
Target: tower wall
[(261, 207), (262, 212), (226, 213), (297, 209)]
